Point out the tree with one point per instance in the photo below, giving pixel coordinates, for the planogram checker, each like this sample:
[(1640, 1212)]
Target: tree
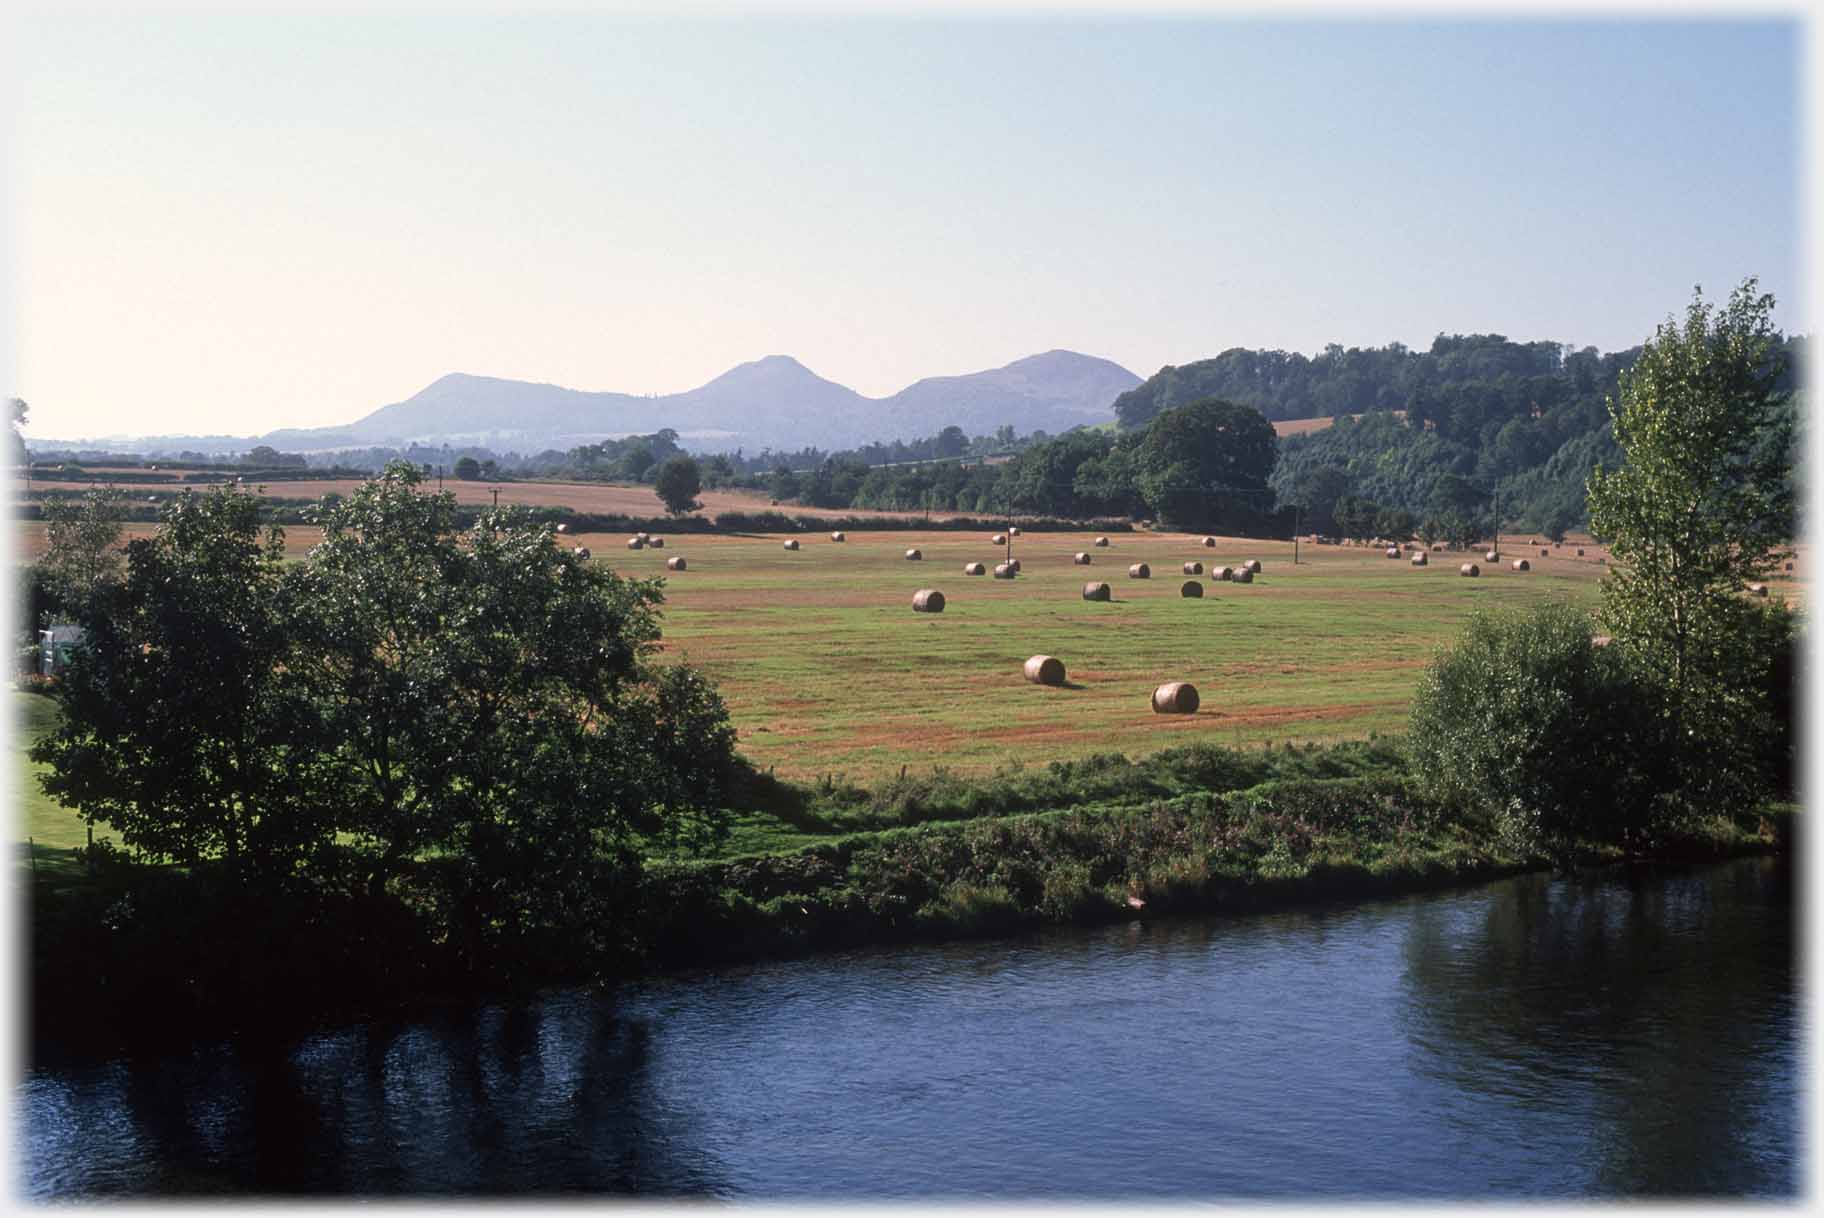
[(81, 538), (1206, 464), (950, 442), (467, 469), (1528, 717), (495, 700), (181, 721), (1701, 508), (678, 482)]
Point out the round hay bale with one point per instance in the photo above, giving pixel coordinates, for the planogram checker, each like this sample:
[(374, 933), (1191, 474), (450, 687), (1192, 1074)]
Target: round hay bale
[(1101, 541), (839, 536), (928, 600), (913, 555), (999, 539), (1393, 551), (1470, 569), (1209, 543), (1520, 564), (1080, 558), (151, 498), (974, 568), (641, 536), (1580, 551), (1253, 564), (1544, 553), (1013, 532), (1190, 587), (791, 543), (1139, 571), (1243, 575), (1014, 563), (675, 563), (1492, 556), (658, 543), (1005, 570), (1193, 568), (1437, 547), (1093, 591), (636, 543), (1419, 559), (1175, 698), (563, 528), (582, 552), (1758, 589), (1045, 670), (1223, 573)]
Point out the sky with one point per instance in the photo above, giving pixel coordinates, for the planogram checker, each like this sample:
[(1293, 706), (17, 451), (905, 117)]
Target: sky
[(230, 224)]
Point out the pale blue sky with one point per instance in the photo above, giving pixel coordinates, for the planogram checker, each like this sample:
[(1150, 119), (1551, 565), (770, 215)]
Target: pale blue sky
[(234, 224)]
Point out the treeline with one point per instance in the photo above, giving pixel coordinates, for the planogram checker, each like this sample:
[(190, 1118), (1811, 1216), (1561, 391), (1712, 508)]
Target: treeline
[(1487, 421)]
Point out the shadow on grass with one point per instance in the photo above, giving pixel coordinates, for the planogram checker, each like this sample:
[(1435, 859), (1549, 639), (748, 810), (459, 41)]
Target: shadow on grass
[(55, 867)]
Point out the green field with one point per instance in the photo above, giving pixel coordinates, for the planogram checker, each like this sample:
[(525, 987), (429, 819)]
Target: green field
[(827, 669)]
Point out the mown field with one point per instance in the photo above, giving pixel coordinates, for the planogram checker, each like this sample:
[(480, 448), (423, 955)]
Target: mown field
[(827, 669)]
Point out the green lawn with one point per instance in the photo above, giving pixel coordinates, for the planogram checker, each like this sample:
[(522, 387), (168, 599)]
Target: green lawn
[(53, 832)]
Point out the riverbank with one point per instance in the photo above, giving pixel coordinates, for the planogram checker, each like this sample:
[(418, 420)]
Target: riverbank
[(145, 956)]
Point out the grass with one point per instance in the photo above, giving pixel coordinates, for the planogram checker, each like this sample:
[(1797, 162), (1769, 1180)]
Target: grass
[(49, 834)]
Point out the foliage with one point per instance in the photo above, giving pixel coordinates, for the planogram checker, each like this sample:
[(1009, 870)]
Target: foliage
[(678, 483), (1702, 507), (467, 469), (82, 536), (1206, 464), (1527, 716), (180, 725)]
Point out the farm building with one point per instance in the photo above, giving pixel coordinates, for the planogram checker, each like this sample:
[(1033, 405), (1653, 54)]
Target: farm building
[(55, 645)]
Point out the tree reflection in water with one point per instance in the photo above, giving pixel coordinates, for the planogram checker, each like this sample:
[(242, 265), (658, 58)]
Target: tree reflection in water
[(1654, 1009)]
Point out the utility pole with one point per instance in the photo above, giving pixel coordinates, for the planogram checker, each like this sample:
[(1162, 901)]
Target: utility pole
[(495, 491)]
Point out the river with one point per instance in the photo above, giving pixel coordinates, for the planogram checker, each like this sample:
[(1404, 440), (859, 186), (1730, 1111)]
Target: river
[(1629, 1032)]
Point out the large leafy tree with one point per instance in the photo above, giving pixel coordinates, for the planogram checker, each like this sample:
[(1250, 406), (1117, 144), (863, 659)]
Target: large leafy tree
[(496, 704), (182, 725), (1702, 507), (1206, 464), (82, 554), (678, 483)]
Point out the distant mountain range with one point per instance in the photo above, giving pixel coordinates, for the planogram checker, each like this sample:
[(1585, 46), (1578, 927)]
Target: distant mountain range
[(774, 402)]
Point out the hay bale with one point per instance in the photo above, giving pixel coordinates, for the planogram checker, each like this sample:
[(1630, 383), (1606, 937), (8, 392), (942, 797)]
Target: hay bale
[(1758, 589), (582, 552), (1005, 570), (1190, 587), (928, 600), (839, 536), (913, 555), (1520, 564), (1175, 698), (999, 539), (974, 568), (1253, 564), (1419, 559), (641, 536), (1437, 547), (658, 543), (675, 563), (1209, 543), (1093, 591), (1045, 670), (1544, 553), (1393, 551), (791, 543), (1470, 569), (1243, 575), (636, 543), (563, 528), (1101, 541), (1013, 532), (1139, 571), (1193, 568), (1492, 556), (1082, 559), (1223, 573), (1580, 551), (1014, 563)]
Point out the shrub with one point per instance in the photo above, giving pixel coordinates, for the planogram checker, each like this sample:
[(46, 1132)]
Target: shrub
[(1527, 716)]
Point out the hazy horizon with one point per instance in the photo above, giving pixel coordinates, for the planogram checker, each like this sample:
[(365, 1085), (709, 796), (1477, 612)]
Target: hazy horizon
[(231, 224)]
